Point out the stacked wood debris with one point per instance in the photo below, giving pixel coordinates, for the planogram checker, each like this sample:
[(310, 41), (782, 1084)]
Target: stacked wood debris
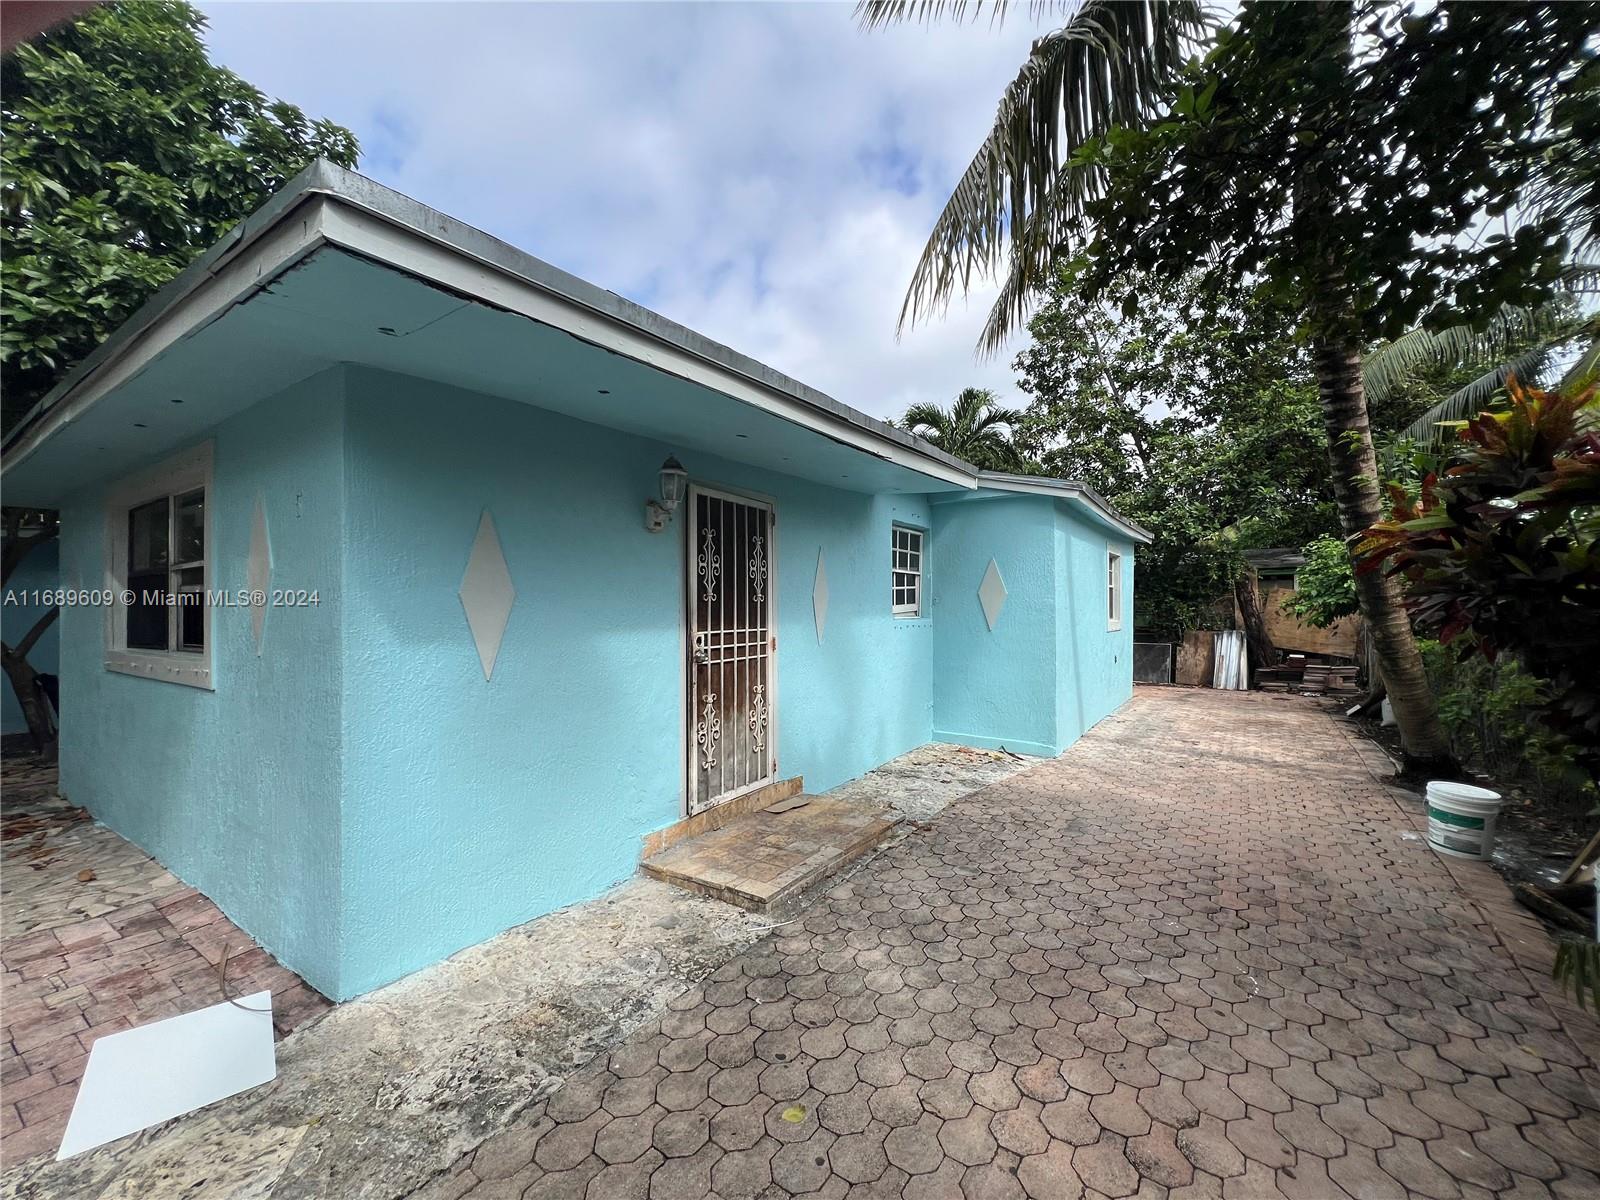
[(1277, 679), (1334, 681), (1297, 674)]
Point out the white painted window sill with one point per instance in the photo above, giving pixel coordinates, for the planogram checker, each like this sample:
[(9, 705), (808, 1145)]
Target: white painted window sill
[(190, 670)]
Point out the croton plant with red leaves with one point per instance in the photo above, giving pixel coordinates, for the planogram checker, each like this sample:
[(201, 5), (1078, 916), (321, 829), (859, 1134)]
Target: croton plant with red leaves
[(1500, 553)]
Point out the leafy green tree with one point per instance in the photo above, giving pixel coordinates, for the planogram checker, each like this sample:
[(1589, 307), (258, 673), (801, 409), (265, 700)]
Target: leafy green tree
[(1205, 431), (974, 428), (1325, 587), (1341, 158), (126, 153)]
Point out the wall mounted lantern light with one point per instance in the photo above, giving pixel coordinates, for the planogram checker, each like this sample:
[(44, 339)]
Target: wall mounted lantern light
[(674, 487)]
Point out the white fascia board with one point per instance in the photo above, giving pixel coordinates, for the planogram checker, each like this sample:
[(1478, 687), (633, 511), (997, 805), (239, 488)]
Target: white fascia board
[(229, 280), (403, 248)]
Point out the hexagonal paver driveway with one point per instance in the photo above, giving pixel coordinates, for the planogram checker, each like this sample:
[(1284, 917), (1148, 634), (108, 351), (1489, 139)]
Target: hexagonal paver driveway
[(1196, 956)]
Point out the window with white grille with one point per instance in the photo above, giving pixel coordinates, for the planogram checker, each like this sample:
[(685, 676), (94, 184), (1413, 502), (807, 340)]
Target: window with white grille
[(906, 574)]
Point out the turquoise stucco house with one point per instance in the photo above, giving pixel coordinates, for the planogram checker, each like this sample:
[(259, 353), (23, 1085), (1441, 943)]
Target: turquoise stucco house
[(421, 580)]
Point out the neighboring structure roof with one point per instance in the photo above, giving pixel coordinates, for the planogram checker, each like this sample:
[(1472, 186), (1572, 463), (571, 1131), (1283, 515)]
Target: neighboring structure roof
[(341, 225), (1278, 560)]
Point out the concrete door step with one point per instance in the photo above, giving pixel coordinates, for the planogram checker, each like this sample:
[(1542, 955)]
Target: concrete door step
[(761, 859)]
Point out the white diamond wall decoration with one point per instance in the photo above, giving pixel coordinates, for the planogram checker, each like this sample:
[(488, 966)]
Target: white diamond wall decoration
[(992, 594), (487, 593), (819, 597), (258, 570)]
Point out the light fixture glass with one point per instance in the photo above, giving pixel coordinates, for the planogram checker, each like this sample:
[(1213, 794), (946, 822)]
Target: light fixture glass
[(674, 487), (674, 484)]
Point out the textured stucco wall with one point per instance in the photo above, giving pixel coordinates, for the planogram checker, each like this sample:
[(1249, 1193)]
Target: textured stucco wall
[(364, 803), (236, 790), (996, 687), (474, 805), (1050, 668), (38, 571), (1094, 664)]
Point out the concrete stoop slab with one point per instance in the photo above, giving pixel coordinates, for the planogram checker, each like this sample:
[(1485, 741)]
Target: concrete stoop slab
[(762, 859)]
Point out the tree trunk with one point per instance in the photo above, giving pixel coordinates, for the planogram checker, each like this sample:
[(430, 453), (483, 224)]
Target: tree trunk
[(1355, 489), (1336, 353), (25, 683), (1262, 651), (44, 526)]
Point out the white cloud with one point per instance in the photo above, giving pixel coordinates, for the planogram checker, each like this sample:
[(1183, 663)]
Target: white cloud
[(764, 173)]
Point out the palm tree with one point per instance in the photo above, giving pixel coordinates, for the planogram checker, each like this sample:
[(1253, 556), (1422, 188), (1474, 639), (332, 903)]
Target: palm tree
[(1111, 64), (974, 429), (1025, 206)]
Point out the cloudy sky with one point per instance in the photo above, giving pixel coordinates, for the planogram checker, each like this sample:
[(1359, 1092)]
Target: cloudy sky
[(764, 173)]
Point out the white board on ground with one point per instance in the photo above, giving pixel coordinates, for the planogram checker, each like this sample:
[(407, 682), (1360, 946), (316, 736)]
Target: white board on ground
[(142, 1077)]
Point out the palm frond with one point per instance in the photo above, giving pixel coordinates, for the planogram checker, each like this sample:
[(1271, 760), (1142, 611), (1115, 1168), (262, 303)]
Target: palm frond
[(1580, 277), (1032, 260), (1390, 367), (1111, 64), (1529, 365), (1585, 371), (1472, 398), (876, 14), (928, 417), (972, 428)]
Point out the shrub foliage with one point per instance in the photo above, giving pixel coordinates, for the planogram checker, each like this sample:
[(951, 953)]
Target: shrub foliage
[(1501, 552)]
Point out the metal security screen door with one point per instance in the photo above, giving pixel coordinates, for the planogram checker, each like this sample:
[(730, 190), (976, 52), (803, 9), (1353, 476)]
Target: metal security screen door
[(732, 643)]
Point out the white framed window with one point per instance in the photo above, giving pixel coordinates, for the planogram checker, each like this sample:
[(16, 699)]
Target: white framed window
[(159, 555), (906, 571), (1113, 590)]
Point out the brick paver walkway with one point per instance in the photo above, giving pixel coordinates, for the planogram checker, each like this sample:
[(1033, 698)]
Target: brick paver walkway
[(1202, 954), (98, 937)]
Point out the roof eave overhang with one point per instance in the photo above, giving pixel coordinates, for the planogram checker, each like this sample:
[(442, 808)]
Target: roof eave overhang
[(993, 483), (326, 205)]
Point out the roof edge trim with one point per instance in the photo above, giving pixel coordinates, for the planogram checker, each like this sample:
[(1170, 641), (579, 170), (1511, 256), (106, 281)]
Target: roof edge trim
[(1066, 489), (265, 244)]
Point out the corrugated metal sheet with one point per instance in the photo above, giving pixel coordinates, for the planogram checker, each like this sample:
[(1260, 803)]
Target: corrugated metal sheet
[(1231, 667)]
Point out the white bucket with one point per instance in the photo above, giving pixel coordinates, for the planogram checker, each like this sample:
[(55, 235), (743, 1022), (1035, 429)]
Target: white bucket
[(1461, 818)]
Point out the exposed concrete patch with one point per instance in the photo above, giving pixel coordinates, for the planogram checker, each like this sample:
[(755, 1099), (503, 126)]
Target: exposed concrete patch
[(207, 1160), (922, 783), (390, 1090)]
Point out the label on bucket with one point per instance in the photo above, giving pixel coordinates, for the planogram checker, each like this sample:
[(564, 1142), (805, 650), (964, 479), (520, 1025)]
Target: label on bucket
[(1456, 819)]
